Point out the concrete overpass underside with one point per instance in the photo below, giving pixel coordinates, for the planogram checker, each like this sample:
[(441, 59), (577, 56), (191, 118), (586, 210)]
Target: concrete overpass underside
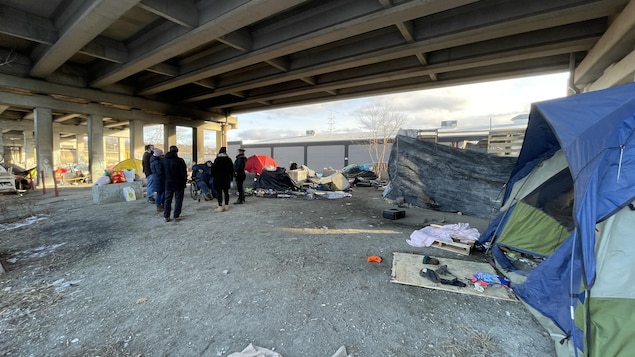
[(106, 66)]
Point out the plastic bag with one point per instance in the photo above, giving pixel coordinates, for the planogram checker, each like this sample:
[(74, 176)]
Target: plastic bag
[(129, 194), (118, 177)]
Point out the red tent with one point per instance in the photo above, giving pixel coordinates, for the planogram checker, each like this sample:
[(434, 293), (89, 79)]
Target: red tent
[(255, 163)]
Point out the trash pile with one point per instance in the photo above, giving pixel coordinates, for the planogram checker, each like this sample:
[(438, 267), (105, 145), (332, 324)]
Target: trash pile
[(301, 181)]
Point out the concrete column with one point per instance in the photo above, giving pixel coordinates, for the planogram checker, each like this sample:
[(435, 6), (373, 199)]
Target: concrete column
[(124, 152), (3, 150), (170, 135), (96, 162), (81, 149), (29, 149), (199, 145), (137, 146), (43, 123), (221, 138), (57, 155)]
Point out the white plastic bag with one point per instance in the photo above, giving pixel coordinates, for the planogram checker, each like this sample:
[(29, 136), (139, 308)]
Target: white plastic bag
[(129, 194)]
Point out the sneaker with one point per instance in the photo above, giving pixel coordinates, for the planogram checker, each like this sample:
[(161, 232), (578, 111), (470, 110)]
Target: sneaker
[(160, 209), (167, 219), (178, 218), (219, 209), (239, 202)]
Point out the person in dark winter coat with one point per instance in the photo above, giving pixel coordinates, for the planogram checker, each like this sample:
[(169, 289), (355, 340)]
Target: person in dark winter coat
[(157, 177), (223, 173), (175, 174), (239, 174), (145, 164)]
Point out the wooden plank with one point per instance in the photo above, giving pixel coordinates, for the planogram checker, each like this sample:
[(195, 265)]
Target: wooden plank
[(460, 248), (406, 268)]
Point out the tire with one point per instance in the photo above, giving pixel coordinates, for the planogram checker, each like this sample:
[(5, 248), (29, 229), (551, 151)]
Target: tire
[(194, 190)]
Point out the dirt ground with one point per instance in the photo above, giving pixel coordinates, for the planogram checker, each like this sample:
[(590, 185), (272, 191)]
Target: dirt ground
[(287, 274)]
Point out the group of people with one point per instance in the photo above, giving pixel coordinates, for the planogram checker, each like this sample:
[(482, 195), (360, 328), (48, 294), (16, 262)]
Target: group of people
[(167, 176)]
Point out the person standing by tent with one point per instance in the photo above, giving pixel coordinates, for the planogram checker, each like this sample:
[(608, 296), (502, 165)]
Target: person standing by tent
[(147, 171), (223, 173), (239, 174), (158, 179), (175, 173)]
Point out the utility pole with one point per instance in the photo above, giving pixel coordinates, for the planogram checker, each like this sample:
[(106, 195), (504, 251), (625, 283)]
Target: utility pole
[(331, 123)]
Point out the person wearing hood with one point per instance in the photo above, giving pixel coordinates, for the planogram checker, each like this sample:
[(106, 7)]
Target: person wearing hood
[(175, 174), (158, 178), (223, 174)]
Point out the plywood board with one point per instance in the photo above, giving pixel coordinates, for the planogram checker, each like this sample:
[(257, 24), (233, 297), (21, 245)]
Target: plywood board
[(406, 268)]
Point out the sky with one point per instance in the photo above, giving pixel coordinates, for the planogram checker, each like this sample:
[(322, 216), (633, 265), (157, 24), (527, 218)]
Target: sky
[(471, 105)]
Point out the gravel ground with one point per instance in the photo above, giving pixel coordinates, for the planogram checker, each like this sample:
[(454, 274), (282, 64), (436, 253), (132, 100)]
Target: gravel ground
[(287, 274)]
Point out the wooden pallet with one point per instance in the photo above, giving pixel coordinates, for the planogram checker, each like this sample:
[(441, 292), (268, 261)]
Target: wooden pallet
[(455, 247)]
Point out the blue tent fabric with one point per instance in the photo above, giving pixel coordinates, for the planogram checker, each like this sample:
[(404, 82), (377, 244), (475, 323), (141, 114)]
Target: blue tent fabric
[(596, 131)]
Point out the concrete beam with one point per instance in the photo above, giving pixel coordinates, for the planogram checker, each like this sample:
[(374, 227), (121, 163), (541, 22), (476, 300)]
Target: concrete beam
[(480, 28), (182, 12), (331, 65), (240, 40), (281, 63), (489, 60), (106, 49), (216, 21), (24, 25), (299, 36), (86, 24), (613, 46), (38, 86), (620, 73), (66, 117)]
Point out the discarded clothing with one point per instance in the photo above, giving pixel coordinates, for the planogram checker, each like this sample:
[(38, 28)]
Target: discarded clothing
[(487, 279), (434, 277), (427, 235)]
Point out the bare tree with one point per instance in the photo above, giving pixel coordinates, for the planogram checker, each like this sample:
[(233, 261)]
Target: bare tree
[(8, 59), (382, 123)]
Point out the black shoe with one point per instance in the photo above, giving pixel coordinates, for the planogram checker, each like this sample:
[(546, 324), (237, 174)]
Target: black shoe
[(167, 219), (239, 202)]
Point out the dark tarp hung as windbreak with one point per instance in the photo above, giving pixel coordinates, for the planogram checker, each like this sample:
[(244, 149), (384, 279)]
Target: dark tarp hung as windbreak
[(277, 180), (444, 178)]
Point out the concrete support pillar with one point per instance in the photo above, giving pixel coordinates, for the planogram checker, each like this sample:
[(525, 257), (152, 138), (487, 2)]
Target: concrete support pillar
[(3, 150), (198, 151), (29, 149), (57, 153), (137, 146), (43, 123), (124, 152), (170, 135), (81, 150), (221, 138), (96, 162)]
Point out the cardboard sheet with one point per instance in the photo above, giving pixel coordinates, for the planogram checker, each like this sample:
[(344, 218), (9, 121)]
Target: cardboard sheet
[(406, 268)]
